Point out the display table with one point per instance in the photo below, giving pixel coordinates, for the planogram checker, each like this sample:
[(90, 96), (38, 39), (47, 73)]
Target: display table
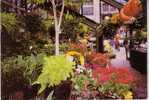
[(138, 60)]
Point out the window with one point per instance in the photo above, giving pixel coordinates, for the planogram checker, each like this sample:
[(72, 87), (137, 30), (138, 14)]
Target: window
[(105, 7), (112, 8), (87, 10)]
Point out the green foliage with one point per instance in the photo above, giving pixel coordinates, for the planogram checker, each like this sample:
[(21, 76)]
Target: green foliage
[(117, 89), (79, 81), (74, 4), (140, 35), (113, 87), (27, 65), (68, 17), (55, 69), (36, 23), (12, 77), (31, 66), (44, 46), (83, 82), (19, 72), (32, 23), (46, 24), (82, 28), (9, 22), (36, 1), (69, 25), (63, 47)]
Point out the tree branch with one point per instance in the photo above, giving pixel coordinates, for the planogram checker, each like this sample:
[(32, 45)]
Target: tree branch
[(54, 11), (61, 14)]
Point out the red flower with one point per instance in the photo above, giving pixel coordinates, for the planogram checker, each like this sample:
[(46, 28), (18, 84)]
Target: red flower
[(97, 58), (122, 75), (79, 47)]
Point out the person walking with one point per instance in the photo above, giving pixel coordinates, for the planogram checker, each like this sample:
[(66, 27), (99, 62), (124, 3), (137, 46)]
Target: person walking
[(117, 44), (126, 45)]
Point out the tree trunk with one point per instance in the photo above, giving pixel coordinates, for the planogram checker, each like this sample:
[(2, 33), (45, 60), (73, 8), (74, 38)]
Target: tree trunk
[(56, 40), (57, 24)]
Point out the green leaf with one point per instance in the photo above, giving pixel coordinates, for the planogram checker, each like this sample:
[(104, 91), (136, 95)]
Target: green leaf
[(55, 69)]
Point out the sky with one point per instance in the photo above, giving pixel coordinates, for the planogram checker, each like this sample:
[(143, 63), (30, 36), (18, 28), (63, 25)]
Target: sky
[(121, 1)]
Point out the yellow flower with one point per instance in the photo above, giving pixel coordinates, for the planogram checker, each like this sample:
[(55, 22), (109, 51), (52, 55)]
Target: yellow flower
[(84, 41), (74, 53), (128, 95)]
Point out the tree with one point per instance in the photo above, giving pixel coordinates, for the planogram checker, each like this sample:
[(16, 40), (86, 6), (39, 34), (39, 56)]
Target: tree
[(57, 24), (58, 19)]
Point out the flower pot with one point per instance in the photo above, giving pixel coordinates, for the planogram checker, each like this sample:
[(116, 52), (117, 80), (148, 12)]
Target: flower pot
[(63, 91), (17, 95)]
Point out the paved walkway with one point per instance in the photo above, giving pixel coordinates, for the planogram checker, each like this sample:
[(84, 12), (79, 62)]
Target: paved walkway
[(141, 83), (120, 60)]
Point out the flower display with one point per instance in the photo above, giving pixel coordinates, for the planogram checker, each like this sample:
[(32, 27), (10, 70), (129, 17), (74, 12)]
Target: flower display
[(133, 8), (128, 95), (79, 47), (77, 55), (97, 59), (130, 11), (115, 18), (122, 75)]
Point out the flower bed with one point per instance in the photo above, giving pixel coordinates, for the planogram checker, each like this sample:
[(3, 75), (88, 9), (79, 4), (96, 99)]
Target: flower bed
[(97, 59), (122, 75)]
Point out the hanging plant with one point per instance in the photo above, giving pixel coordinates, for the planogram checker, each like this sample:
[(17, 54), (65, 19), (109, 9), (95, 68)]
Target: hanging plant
[(115, 19), (130, 11), (133, 8)]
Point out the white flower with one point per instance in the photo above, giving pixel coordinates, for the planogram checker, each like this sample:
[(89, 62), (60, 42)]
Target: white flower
[(46, 45), (76, 87), (30, 47)]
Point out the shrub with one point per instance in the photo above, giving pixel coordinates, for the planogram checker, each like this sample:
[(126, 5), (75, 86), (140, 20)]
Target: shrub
[(18, 72), (55, 70), (9, 22)]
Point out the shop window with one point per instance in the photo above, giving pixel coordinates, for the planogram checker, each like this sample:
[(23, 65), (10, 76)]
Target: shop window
[(105, 7), (112, 8), (87, 10)]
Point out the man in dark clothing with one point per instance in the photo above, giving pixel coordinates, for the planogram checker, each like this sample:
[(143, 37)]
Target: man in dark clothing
[(126, 45)]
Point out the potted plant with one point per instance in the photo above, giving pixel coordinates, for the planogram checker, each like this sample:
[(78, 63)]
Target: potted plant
[(56, 70)]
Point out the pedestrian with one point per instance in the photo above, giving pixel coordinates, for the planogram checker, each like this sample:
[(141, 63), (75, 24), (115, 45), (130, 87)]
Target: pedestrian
[(126, 45), (117, 44)]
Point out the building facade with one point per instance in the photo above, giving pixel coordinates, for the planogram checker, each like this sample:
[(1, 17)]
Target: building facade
[(97, 9)]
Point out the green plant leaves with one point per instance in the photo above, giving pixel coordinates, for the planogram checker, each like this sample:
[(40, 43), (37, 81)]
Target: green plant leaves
[(55, 69), (36, 1), (9, 21)]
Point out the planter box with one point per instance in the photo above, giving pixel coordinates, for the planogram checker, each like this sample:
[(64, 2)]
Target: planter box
[(138, 60)]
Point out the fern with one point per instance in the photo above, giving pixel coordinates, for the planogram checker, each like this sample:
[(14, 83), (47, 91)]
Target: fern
[(55, 69)]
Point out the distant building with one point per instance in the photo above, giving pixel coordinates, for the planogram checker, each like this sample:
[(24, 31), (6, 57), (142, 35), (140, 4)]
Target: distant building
[(97, 9)]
